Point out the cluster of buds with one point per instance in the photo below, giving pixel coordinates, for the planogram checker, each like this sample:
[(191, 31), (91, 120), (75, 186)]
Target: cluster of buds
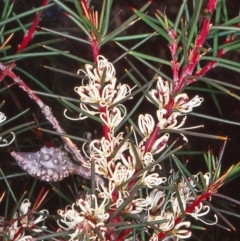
[(124, 166)]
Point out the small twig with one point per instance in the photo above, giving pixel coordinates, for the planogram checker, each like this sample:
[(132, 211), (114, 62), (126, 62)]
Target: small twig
[(27, 38), (69, 145)]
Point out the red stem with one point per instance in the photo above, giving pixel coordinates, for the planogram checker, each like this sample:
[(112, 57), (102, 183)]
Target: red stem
[(95, 49), (190, 209), (27, 38), (211, 64), (95, 52), (45, 110), (194, 58), (151, 139), (84, 2), (121, 237), (199, 41)]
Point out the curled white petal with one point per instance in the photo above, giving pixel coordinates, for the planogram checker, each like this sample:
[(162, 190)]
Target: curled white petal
[(81, 116), (160, 144), (146, 124), (6, 143), (103, 67), (156, 200), (182, 103), (148, 159), (162, 92), (25, 205), (2, 117), (112, 118), (207, 177), (161, 120), (182, 233), (153, 179), (89, 93)]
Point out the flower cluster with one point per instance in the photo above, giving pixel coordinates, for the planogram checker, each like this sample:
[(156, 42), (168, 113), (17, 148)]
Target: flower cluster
[(162, 95), (85, 217), (175, 207), (101, 92), (4, 141), (125, 166), (22, 221)]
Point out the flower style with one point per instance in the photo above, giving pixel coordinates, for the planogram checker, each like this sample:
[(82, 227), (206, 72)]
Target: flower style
[(84, 218), (5, 142)]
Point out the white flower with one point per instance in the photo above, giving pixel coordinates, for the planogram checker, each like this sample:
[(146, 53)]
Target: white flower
[(5, 142), (176, 208), (24, 219), (182, 233), (107, 192), (153, 179), (27, 220), (168, 219), (160, 144), (101, 150), (2, 117), (101, 91), (162, 121), (200, 211), (129, 162), (146, 124), (185, 190), (113, 117), (105, 147), (25, 205), (148, 159), (162, 92), (119, 173), (182, 103), (156, 200), (207, 177), (170, 122), (104, 69), (14, 232), (122, 92), (87, 219)]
